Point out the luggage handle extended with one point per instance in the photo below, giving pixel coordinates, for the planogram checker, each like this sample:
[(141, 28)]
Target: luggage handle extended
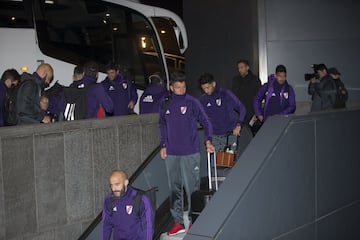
[(209, 171)]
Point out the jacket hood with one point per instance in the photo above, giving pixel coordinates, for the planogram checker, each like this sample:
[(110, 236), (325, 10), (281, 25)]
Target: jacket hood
[(86, 80)]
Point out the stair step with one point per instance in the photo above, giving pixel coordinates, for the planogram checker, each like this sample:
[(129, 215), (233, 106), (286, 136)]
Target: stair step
[(179, 236)]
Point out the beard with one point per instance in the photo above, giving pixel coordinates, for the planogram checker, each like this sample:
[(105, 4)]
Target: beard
[(118, 193)]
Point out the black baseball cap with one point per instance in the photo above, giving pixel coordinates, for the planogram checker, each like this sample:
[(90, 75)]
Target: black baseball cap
[(333, 71)]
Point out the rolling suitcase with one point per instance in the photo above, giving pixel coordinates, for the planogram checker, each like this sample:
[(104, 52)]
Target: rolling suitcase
[(200, 198)]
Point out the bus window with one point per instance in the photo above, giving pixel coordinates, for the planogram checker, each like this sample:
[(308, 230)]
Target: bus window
[(13, 14), (166, 30), (77, 31)]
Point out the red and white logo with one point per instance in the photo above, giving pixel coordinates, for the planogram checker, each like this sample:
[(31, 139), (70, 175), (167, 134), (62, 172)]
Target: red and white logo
[(183, 110), (129, 209)]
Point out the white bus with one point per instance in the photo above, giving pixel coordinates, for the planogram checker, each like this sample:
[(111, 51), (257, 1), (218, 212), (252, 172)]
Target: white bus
[(142, 39)]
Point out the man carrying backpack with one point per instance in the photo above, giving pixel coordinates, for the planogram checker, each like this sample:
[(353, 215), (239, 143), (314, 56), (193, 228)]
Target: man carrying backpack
[(341, 92), (29, 93), (278, 94), (122, 216), (95, 96)]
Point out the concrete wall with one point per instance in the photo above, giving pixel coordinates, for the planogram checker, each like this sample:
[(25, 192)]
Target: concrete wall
[(53, 178), (298, 179), (300, 33), (220, 33)]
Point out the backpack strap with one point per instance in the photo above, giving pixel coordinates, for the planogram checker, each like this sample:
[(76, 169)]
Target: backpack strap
[(111, 203), (137, 201), (138, 198), (164, 106)]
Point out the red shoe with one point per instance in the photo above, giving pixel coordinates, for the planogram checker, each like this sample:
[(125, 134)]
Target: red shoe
[(176, 229)]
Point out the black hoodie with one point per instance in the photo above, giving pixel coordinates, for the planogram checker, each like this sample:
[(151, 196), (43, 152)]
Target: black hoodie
[(245, 88)]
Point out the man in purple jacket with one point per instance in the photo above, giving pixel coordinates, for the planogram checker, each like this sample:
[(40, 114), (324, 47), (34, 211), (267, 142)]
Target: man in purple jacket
[(180, 146), (221, 106), (120, 214), (96, 95), (279, 96), (121, 91), (153, 94)]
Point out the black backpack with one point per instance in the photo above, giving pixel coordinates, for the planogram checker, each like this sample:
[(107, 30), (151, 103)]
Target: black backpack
[(75, 105), (151, 195), (9, 106)]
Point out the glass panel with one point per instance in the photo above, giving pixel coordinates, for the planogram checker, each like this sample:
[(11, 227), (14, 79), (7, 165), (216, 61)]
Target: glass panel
[(76, 31), (14, 14), (147, 49), (174, 59)]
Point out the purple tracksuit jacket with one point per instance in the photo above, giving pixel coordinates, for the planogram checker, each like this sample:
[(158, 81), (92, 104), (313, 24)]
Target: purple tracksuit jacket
[(121, 92), (123, 221), (96, 96), (279, 99), (220, 107), (150, 99), (178, 121)]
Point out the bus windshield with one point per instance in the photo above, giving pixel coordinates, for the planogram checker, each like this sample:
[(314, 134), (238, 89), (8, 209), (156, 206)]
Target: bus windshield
[(72, 32)]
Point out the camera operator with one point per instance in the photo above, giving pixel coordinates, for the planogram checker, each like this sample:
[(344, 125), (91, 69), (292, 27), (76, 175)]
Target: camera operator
[(322, 89)]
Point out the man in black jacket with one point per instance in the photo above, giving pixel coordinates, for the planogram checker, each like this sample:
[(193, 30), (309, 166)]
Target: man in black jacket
[(29, 94), (245, 86), (322, 89), (341, 92)]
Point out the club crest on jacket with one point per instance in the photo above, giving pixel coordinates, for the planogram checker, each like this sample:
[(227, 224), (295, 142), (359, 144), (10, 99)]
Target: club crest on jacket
[(286, 95), (183, 110), (218, 102), (129, 209)]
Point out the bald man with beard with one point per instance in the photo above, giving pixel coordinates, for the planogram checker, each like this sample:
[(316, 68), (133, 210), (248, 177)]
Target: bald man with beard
[(29, 94), (119, 214)]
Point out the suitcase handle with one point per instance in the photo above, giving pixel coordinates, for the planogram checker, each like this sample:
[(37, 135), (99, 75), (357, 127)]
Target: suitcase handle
[(209, 171)]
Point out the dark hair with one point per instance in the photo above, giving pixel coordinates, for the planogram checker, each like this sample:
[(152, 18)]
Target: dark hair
[(11, 74), (246, 62), (91, 69), (321, 67), (78, 70), (113, 66), (280, 68), (177, 76), (156, 78), (206, 78)]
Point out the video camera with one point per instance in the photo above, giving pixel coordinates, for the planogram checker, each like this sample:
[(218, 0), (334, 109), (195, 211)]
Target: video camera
[(309, 76)]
